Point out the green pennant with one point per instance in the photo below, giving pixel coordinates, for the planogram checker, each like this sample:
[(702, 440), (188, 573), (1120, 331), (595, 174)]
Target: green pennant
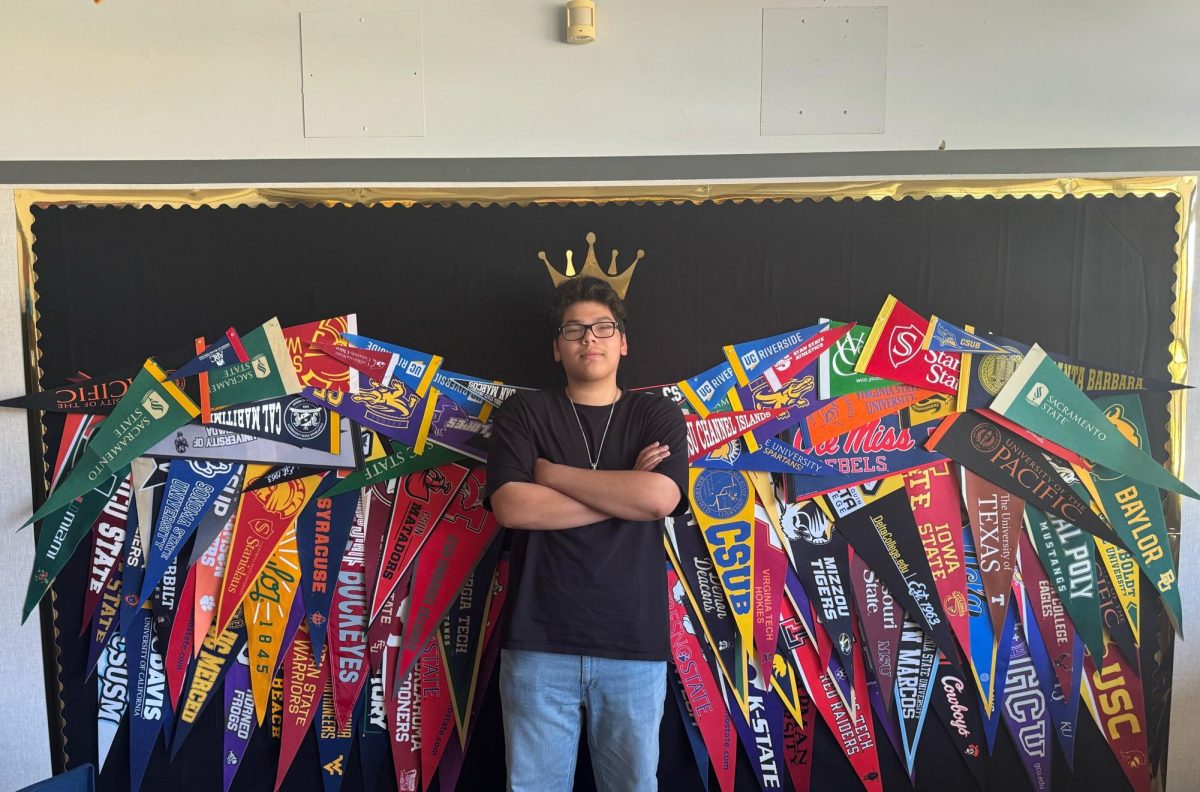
[(836, 365), (1068, 555), (1040, 397), (1135, 509), (59, 535), (393, 466), (267, 372), (151, 409)]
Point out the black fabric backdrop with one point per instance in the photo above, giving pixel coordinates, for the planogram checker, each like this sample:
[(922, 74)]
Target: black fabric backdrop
[(1090, 277)]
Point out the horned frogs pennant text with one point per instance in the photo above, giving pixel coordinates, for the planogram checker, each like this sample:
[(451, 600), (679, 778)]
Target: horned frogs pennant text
[(893, 525)]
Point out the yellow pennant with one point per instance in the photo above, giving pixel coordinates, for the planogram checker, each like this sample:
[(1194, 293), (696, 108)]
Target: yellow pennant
[(267, 606)]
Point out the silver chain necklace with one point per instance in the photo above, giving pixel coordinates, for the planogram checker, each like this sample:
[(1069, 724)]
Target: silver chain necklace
[(586, 445)]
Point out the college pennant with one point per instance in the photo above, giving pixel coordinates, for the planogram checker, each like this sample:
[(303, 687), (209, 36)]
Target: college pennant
[(333, 740), (194, 440), (772, 456), (770, 572), (695, 739), (180, 649), (995, 516), (437, 712), (1043, 399), (893, 351), (220, 516), (268, 372), (447, 424), (347, 637), (62, 532), (933, 498), (1135, 509), (267, 607), (1063, 713), (795, 360), (1016, 466), (885, 534), (708, 392), (210, 570), (700, 688), (837, 376), (214, 355), (314, 368), (959, 712), (749, 358), (405, 705), (108, 542), (373, 738), (701, 581), (451, 552), (881, 447), (916, 666), (845, 413), (1112, 613), (261, 520), (797, 744), (393, 466), (1056, 627), (421, 501), (462, 633), (321, 533), (218, 653), (239, 718), (821, 559), (855, 734), (190, 491), (1026, 713), (1069, 558), (112, 695), (881, 619), (714, 431), (723, 506), (1114, 696), (761, 731), (304, 680), (377, 365), (945, 337), (415, 369), (285, 419)]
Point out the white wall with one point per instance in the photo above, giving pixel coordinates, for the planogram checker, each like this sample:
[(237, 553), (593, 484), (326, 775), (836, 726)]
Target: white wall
[(180, 79), (221, 79)]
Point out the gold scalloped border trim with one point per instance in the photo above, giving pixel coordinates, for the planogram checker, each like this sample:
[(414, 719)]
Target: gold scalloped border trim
[(1182, 187)]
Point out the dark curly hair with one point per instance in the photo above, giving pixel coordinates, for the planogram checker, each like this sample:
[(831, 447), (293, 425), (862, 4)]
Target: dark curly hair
[(584, 289)]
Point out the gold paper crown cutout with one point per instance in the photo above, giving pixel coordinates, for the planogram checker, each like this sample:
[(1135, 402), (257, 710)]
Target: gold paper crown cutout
[(591, 267)]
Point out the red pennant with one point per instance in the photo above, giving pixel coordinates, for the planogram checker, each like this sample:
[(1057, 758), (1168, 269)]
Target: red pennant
[(451, 552), (1117, 704), (701, 688), (179, 647), (437, 712), (380, 500), (933, 496), (770, 570), (856, 735), (405, 724), (376, 365), (893, 351), (797, 744), (108, 540), (717, 429), (262, 517), (314, 368), (421, 500), (304, 682), (791, 364)]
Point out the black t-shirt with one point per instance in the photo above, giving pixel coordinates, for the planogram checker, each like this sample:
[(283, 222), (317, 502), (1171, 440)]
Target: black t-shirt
[(597, 589)]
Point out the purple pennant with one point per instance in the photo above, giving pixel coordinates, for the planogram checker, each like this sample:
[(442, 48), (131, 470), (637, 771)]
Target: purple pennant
[(891, 726), (991, 724), (240, 719), (881, 618), (762, 735), (1063, 713), (1026, 712)]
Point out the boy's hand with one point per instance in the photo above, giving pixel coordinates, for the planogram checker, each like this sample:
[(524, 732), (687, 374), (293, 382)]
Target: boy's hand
[(651, 456)]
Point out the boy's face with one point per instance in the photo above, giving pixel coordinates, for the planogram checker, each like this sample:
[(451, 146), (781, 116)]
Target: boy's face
[(590, 359)]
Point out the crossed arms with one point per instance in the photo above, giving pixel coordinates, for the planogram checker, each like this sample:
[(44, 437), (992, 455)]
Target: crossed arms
[(562, 496)]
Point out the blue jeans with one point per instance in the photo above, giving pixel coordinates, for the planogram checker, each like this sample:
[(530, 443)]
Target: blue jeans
[(546, 698)]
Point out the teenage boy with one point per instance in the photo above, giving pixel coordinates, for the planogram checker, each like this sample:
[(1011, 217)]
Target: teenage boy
[(585, 474)]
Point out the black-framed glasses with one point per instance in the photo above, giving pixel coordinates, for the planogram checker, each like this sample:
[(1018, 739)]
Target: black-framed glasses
[(605, 328)]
